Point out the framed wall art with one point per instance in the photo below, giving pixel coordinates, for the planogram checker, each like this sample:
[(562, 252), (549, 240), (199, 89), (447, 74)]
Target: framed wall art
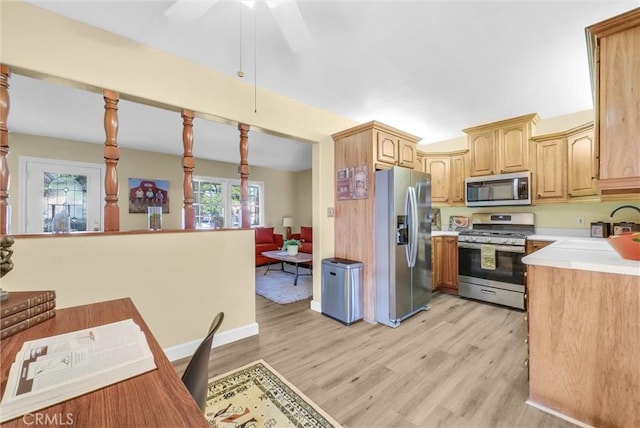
[(353, 183), (145, 193)]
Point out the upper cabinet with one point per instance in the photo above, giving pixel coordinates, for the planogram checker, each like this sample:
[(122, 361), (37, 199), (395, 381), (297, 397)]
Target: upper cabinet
[(393, 147), (549, 172), (501, 147), (581, 162), (459, 171), (483, 152), (448, 171), (614, 56), (563, 165), (440, 169)]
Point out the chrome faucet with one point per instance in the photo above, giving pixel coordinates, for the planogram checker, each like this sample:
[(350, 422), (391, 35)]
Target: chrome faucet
[(624, 206)]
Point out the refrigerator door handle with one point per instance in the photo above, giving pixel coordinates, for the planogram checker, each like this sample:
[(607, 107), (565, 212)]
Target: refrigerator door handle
[(407, 214), (414, 226), (412, 214)]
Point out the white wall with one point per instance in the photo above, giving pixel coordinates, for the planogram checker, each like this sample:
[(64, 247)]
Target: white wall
[(178, 281)]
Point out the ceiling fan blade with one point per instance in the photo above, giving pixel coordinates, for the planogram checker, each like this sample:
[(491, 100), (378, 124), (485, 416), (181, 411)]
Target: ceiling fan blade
[(188, 10), (291, 23)]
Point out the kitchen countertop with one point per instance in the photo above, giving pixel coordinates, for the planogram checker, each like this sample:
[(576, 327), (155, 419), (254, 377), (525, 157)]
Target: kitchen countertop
[(589, 254), (443, 233)]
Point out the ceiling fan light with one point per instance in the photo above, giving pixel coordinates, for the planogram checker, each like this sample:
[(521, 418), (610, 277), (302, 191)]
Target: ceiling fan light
[(188, 10)]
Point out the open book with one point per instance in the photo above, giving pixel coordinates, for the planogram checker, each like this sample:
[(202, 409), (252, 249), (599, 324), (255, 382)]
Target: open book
[(56, 368)]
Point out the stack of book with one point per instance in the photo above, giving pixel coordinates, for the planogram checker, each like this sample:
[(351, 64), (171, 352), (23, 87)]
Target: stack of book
[(23, 309)]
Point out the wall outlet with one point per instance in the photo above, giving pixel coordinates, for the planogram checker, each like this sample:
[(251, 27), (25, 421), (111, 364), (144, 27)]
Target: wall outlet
[(580, 220), (330, 212)]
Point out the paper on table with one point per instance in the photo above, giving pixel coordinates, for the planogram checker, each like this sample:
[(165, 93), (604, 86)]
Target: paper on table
[(53, 369)]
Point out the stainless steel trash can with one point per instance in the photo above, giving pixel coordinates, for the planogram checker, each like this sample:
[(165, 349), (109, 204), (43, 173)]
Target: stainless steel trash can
[(342, 289)]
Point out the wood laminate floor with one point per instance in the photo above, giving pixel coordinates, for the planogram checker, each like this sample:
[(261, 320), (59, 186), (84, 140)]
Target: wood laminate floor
[(459, 364)]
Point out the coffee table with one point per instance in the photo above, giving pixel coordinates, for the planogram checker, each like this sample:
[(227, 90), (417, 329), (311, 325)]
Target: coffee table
[(284, 256)]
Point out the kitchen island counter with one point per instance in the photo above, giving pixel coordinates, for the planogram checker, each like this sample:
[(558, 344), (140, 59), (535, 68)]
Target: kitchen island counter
[(584, 333), (588, 254)]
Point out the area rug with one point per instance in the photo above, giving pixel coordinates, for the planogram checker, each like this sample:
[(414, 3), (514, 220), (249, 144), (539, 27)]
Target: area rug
[(257, 396), (278, 286)]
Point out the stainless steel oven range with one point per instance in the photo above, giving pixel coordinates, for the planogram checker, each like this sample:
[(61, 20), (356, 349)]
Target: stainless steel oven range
[(490, 256)]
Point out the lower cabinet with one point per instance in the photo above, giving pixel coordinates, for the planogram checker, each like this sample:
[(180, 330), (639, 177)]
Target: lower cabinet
[(533, 245), (444, 252)]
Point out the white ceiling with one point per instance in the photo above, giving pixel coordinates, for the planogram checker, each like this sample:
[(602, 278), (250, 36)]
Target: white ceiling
[(430, 68)]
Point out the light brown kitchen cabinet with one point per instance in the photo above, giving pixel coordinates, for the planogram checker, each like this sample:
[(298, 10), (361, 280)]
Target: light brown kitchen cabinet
[(444, 254), (549, 168), (387, 148), (450, 264), (459, 166), (482, 152), (448, 171), (393, 148), (614, 56), (436, 262), (563, 165), (439, 168), (581, 162), (407, 154), (513, 148), (501, 147)]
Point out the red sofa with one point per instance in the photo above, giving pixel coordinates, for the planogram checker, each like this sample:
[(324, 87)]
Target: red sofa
[(266, 240)]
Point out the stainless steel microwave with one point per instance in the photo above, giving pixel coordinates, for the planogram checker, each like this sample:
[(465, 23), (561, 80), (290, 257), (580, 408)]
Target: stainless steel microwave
[(498, 190)]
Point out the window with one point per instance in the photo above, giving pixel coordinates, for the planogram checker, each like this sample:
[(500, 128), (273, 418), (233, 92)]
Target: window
[(216, 202), (55, 186)]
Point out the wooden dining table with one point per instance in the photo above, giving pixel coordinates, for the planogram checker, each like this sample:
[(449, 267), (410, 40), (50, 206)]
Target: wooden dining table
[(157, 398)]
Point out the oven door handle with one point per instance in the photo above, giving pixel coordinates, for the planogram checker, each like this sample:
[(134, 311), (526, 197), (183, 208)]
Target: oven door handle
[(503, 248)]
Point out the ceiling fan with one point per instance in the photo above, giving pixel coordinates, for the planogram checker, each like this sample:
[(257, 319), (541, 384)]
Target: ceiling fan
[(285, 12)]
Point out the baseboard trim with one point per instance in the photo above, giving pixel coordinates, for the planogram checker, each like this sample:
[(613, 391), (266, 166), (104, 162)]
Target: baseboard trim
[(315, 306), (558, 414), (184, 350)]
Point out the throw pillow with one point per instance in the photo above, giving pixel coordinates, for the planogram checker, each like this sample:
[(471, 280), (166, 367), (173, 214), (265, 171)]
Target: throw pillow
[(264, 235), (306, 233)]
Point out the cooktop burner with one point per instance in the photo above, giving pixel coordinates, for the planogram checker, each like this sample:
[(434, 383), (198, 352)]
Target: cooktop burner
[(505, 229), (504, 238)]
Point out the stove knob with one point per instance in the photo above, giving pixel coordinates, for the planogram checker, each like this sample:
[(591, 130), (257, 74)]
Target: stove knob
[(504, 240), (472, 239), (512, 241)]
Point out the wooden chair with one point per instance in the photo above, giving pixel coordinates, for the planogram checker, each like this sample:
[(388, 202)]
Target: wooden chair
[(196, 375)]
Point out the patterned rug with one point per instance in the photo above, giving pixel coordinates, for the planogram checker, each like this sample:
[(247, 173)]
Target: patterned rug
[(278, 286), (257, 396)]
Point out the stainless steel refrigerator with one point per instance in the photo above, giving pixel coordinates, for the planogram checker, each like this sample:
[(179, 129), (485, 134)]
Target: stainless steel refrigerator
[(403, 244)]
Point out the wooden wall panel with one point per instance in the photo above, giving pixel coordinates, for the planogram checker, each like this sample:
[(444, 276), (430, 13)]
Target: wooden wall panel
[(354, 225)]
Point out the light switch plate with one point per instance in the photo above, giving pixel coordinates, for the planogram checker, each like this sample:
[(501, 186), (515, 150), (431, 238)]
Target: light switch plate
[(330, 212)]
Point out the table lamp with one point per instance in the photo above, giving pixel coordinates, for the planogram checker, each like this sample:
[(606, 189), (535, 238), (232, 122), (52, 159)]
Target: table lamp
[(287, 222)]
